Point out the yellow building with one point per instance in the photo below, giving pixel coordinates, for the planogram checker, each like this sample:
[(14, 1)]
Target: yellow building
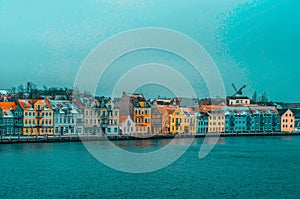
[(216, 118), (287, 120), (37, 117), (182, 120)]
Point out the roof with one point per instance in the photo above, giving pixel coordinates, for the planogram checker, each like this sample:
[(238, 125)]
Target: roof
[(7, 108), (263, 109), (64, 106), (122, 119), (282, 111), (237, 97), (27, 104)]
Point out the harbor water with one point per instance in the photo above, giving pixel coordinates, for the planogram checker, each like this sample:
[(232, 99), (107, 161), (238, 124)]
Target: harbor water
[(237, 167)]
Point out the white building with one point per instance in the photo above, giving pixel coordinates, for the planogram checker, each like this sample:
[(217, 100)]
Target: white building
[(68, 119)]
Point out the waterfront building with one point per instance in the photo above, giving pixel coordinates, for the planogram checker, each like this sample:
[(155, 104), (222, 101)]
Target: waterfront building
[(11, 123), (139, 110), (182, 120), (156, 119), (68, 119), (109, 115), (238, 119), (287, 120), (37, 117), (266, 118), (126, 125), (216, 118), (201, 120), (91, 114), (296, 113)]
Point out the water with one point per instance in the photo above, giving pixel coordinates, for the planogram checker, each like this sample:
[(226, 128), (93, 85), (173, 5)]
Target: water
[(242, 167)]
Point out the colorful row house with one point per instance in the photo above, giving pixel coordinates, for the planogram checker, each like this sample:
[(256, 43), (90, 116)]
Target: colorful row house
[(182, 120), (287, 120), (68, 119), (37, 117), (160, 121), (100, 115), (109, 112), (126, 125), (138, 109), (215, 118), (201, 120), (11, 123)]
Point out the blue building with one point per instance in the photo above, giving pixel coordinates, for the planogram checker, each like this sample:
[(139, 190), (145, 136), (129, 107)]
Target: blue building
[(11, 119)]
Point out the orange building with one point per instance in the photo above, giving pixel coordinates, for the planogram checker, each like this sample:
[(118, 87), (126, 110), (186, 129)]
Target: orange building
[(287, 120), (37, 117)]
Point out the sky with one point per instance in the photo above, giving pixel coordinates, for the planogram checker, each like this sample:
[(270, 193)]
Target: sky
[(251, 42)]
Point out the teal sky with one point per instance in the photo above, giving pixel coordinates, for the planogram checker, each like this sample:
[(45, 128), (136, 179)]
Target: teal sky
[(252, 42)]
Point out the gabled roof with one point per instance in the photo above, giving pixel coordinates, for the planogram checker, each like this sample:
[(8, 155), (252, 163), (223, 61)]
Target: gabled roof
[(64, 106), (28, 104), (7, 108), (282, 111), (122, 119)]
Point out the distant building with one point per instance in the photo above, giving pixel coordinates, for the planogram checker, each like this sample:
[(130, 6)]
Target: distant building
[(37, 117), (91, 114), (201, 122), (139, 110), (157, 112), (296, 113), (182, 120), (238, 119), (126, 125), (216, 118), (68, 119), (110, 115), (287, 120), (11, 123), (266, 118), (238, 100)]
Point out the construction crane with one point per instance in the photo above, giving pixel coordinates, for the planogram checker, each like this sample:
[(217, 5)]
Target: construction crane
[(238, 91)]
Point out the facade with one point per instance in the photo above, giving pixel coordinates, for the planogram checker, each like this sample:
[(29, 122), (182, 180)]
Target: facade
[(287, 120), (156, 119), (11, 123), (37, 117), (139, 110), (68, 119), (202, 122), (216, 118), (126, 125), (238, 100), (266, 118), (238, 119), (109, 116), (91, 115), (182, 120)]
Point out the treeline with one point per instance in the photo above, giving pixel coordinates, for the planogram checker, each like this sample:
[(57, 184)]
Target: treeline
[(31, 91)]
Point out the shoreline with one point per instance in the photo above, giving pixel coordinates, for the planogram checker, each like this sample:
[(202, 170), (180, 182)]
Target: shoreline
[(76, 138)]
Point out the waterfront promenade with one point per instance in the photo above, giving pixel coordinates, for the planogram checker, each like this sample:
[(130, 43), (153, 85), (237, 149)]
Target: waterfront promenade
[(78, 138)]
